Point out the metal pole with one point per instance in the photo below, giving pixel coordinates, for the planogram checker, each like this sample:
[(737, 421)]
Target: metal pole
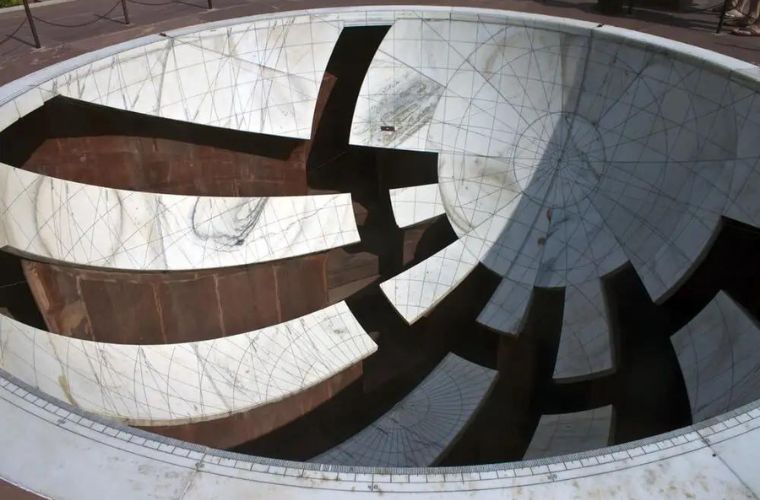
[(124, 8), (209, 5), (722, 16), (30, 19)]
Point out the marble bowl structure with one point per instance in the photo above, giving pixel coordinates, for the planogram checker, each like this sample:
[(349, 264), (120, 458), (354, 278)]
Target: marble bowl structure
[(565, 150)]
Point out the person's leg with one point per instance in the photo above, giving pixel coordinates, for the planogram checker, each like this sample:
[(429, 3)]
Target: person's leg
[(740, 15), (753, 27), (749, 30), (753, 10), (737, 9)]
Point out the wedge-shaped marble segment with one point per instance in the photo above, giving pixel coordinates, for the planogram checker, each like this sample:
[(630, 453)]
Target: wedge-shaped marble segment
[(262, 76), (595, 152), (567, 433), (507, 307), (717, 351), (744, 202), (91, 225), (415, 204), (421, 427), (584, 344), (452, 85), (416, 291), (172, 384)]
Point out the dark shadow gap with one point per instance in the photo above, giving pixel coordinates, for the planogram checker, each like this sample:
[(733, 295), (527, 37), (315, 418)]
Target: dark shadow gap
[(502, 429), (16, 299), (62, 117), (650, 394), (83, 142), (405, 355)]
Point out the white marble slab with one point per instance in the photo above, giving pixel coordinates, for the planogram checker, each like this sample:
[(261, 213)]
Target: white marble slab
[(261, 76), (745, 183), (418, 289), (585, 344), (91, 225), (596, 152), (506, 309), (718, 353), (415, 204), (172, 384), (419, 429), (567, 433), (118, 462)]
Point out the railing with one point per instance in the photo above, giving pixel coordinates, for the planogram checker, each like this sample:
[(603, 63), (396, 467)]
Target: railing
[(30, 18)]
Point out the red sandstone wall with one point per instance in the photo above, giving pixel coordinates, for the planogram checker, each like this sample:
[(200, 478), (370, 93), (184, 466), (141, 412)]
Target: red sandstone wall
[(169, 166), (157, 307), (11, 492), (143, 153)]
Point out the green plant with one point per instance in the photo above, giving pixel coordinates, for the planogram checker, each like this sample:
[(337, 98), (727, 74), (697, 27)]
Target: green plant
[(9, 3)]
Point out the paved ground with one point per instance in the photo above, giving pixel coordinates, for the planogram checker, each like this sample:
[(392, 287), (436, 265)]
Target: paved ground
[(71, 28)]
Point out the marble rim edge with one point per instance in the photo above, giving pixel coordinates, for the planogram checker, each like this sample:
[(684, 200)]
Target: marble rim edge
[(742, 69), (704, 431)]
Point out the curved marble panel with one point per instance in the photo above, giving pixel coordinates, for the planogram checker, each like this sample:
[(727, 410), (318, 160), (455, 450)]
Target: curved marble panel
[(584, 343), (415, 204), (171, 384), (577, 153), (568, 433), (262, 76), (114, 461), (95, 226), (507, 307), (744, 197), (718, 353), (418, 290), (421, 427)]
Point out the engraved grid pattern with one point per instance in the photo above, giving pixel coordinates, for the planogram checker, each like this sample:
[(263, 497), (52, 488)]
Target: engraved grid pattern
[(506, 309), (418, 429), (257, 77), (415, 204), (693, 438), (109, 438), (561, 155), (718, 353), (92, 225), (171, 384), (584, 344), (570, 433)]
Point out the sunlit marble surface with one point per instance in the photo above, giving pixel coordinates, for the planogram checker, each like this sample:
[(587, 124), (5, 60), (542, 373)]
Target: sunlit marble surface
[(561, 156), (567, 433), (96, 226), (718, 353), (171, 384), (417, 290), (415, 204), (422, 426), (261, 76)]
